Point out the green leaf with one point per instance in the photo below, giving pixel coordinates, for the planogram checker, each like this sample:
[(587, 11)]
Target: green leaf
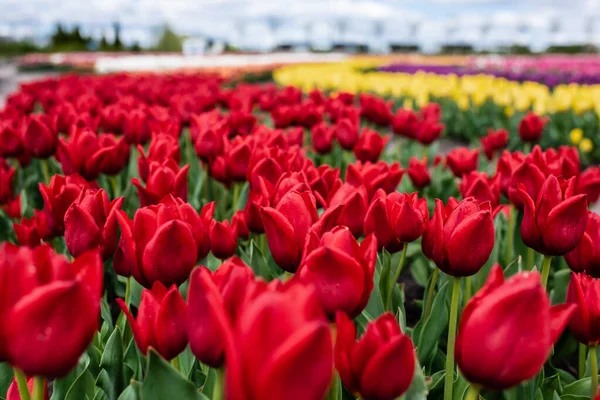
[(131, 392), (243, 199), (164, 382), (418, 387), (560, 281), (434, 326), (6, 378), (259, 263), (385, 285), (578, 388), (112, 362), (62, 386)]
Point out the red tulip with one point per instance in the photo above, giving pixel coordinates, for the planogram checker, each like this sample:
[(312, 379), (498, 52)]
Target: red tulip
[(586, 256), (7, 177), (89, 154), (34, 313), (238, 222), (135, 126), (406, 123), (418, 172), (448, 231), (375, 176), (381, 364), (212, 299), (160, 321), (396, 219), (322, 138), (163, 179), (507, 164), (481, 187), (556, 221), (369, 146), (584, 293), (375, 109), (163, 147), (91, 222), (58, 197), (286, 227), (462, 160), (223, 239), (163, 242), (209, 142), (589, 183), (530, 176), (340, 269), (431, 112), (520, 306), (429, 131), (494, 142), (279, 336), (354, 202), (31, 231), (346, 133), (11, 138), (531, 127), (39, 139)]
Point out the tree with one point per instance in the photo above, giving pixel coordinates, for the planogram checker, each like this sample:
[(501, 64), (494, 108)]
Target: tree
[(169, 41), (117, 45)]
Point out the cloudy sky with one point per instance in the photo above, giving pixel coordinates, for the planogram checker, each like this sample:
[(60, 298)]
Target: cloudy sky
[(261, 23)]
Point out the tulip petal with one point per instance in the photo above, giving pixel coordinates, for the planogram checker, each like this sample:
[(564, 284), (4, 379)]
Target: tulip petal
[(559, 317), (549, 197), (565, 225), (41, 338), (344, 342), (390, 370), (281, 238), (171, 254), (169, 325), (293, 359), (476, 230), (81, 231)]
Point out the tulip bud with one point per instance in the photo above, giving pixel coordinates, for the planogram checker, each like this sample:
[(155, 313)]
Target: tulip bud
[(375, 176), (555, 223), (163, 242), (448, 231), (223, 239), (462, 161), (396, 219), (160, 321), (322, 138), (584, 293), (286, 227), (586, 256), (341, 270), (346, 133), (163, 179), (429, 131), (531, 127), (286, 327), (39, 139), (381, 364), (212, 299), (494, 142), (369, 146), (522, 308), (418, 172)]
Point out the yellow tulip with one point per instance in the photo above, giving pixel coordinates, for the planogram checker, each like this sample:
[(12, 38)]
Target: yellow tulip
[(576, 135), (586, 145)]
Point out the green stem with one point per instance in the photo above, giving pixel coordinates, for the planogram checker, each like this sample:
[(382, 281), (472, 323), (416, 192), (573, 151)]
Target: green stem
[(510, 245), (449, 379), (39, 388), (236, 195), (128, 291), (546, 269), (594, 369), (22, 384), (582, 356), (530, 259), (425, 152), (217, 393), (114, 185), (335, 388), (430, 291), (45, 170), (467, 289), (472, 393), (388, 301), (263, 243)]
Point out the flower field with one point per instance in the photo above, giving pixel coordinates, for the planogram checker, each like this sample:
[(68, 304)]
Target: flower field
[(189, 236)]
